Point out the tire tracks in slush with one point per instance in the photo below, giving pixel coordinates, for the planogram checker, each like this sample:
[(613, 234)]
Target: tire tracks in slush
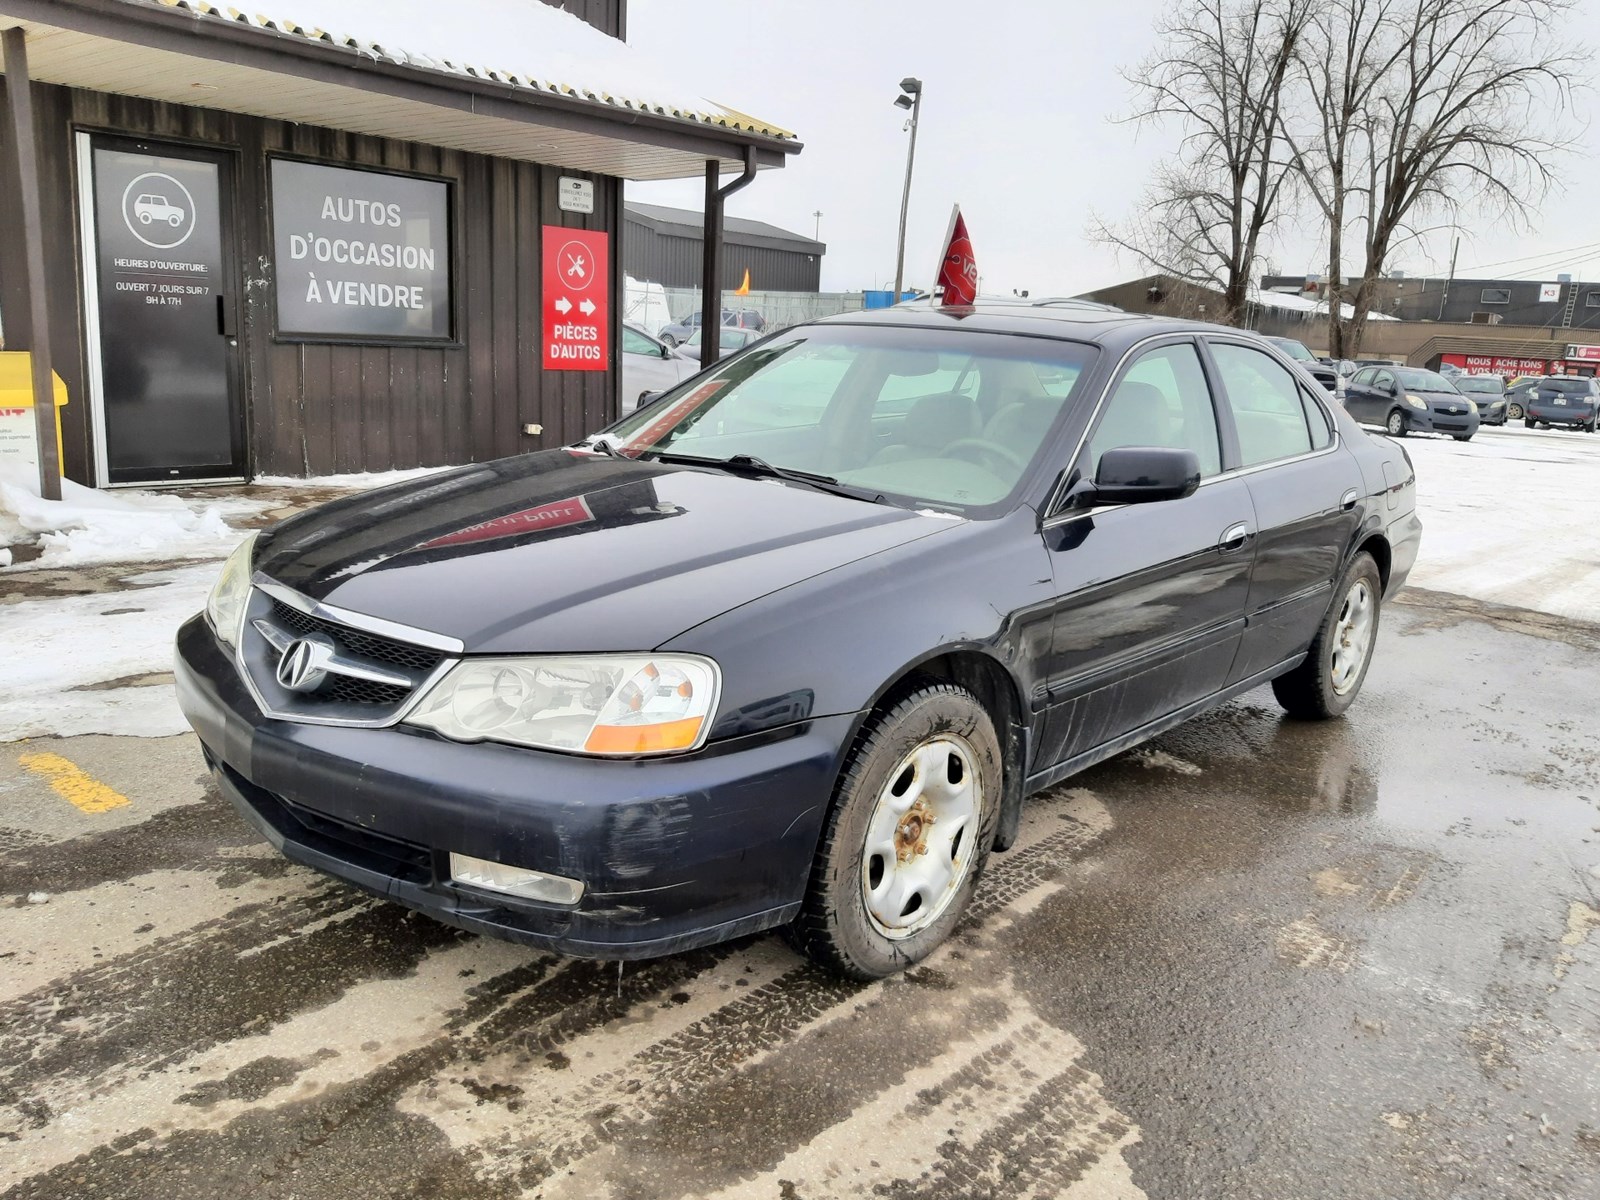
[(344, 1047)]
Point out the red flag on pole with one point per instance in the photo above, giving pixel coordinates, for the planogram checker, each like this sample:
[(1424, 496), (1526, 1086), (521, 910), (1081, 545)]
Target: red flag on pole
[(958, 269)]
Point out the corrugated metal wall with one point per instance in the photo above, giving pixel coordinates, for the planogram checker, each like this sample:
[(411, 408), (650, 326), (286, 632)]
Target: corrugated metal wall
[(675, 261), (322, 409), (608, 16)]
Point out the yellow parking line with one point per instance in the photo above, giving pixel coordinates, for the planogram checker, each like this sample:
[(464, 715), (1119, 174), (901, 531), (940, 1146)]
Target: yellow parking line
[(73, 784)]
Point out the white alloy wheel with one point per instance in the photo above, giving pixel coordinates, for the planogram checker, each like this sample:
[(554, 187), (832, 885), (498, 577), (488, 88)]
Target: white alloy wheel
[(1352, 636), (918, 849)]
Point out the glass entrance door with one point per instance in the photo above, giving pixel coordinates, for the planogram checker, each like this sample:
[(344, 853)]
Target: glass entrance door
[(165, 305)]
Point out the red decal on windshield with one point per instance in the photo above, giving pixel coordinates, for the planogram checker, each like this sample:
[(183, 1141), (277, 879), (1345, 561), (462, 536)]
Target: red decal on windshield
[(674, 412)]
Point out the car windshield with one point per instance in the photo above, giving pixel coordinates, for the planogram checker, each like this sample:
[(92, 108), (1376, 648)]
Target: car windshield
[(945, 418), (1293, 349), (1423, 381), (1479, 383), (1570, 387)]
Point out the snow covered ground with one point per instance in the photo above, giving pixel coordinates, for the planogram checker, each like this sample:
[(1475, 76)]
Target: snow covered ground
[(1513, 517), (63, 651), (90, 526)]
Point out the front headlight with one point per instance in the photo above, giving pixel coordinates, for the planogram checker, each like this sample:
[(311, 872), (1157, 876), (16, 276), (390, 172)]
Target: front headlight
[(1494, 404), (1416, 402), (225, 604), (609, 704)]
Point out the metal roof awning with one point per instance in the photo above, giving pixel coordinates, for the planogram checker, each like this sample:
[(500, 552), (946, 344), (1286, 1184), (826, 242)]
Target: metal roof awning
[(192, 52)]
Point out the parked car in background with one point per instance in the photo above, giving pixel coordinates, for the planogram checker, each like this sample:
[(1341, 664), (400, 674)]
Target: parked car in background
[(744, 318), (729, 340), (1565, 400), (648, 366), (1318, 370), (1519, 394), (1487, 392), (1410, 400), (678, 332), (764, 655)]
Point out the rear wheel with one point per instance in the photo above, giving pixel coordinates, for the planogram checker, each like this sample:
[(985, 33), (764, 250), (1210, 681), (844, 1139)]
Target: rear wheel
[(912, 821), (1329, 680), (1531, 423), (1514, 412)]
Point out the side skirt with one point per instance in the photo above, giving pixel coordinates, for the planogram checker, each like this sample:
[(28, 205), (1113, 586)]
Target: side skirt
[(1055, 774)]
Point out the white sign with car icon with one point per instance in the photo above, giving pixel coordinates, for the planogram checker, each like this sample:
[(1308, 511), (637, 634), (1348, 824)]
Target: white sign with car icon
[(150, 207)]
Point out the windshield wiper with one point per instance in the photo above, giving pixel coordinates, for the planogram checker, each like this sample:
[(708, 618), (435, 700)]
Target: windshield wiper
[(750, 464)]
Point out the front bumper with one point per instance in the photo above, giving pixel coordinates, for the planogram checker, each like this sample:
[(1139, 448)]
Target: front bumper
[(1434, 421), (673, 852)]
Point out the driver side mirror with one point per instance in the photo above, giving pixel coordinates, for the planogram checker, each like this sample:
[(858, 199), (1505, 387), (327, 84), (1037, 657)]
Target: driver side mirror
[(1142, 474)]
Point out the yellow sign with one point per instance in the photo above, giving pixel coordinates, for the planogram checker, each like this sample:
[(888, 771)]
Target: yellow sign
[(19, 443)]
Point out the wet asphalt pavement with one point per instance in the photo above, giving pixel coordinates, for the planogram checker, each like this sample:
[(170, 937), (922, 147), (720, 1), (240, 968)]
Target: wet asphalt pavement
[(1254, 958)]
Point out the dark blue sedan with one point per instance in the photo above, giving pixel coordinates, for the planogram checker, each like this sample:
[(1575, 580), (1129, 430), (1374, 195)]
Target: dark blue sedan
[(792, 646)]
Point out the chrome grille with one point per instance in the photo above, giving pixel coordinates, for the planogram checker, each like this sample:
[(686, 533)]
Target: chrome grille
[(366, 677)]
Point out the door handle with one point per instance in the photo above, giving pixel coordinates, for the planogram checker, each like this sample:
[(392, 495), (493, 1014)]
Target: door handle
[(1348, 500), (1234, 537)]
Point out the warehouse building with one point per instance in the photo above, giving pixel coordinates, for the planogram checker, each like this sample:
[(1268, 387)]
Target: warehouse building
[(1559, 303), (332, 241), (665, 245)]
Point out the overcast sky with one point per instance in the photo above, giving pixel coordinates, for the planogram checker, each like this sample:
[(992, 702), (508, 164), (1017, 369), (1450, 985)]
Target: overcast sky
[(1018, 125)]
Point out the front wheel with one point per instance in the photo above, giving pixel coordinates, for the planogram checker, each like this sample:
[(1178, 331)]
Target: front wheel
[(1329, 680), (1396, 424), (912, 821), (1462, 437)]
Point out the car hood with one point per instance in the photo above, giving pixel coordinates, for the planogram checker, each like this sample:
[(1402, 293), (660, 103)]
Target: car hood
[(568, 551)]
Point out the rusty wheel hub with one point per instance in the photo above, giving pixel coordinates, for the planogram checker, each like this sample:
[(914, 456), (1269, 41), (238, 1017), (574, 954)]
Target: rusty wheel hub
[(911, 834)]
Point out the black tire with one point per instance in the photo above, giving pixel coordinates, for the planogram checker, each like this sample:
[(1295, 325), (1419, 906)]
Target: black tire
[(834, 927), (1395, 424), (1462, 437), (1531, 423), (1308, 692)]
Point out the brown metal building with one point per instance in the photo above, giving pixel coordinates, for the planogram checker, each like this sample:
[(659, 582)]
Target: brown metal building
[(269, 249)]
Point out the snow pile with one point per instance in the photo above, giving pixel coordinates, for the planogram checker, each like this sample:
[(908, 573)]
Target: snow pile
[(514, 41), (364, 481), (59, 648), (89, 526), (1507, 518)]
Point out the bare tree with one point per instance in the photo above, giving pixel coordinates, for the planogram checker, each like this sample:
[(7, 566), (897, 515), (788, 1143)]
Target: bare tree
[(1219, 74), (1471, 110), (1346, 52)]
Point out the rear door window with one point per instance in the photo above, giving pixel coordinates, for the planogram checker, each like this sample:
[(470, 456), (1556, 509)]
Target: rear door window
[(1266, 403)]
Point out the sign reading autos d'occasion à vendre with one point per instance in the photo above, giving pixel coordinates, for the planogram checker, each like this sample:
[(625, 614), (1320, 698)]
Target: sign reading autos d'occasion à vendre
[(360, 253)]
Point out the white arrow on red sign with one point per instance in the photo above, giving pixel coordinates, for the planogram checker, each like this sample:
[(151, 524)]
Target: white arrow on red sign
[(563, 306), (587, 308)]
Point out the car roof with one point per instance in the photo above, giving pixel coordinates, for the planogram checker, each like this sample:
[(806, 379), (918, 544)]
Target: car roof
[(1068, 320)]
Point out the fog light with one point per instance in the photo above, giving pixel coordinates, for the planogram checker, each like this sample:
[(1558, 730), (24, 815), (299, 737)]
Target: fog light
[(514, 881)]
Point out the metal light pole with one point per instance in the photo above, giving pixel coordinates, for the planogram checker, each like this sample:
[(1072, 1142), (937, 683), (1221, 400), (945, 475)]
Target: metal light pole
[(910, 97)]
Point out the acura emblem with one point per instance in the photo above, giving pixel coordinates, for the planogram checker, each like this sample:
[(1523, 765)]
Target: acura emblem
[(304, 664)]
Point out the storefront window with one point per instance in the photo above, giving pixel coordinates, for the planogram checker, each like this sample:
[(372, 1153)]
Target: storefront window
[(360, 255)]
